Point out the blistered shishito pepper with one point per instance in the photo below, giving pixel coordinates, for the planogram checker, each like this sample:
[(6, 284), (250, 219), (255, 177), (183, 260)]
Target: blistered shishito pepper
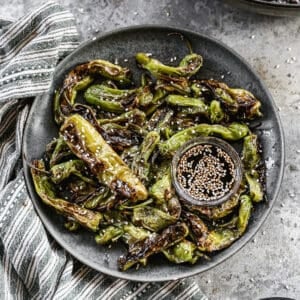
[(80, 78), (164, 194), (216, 113), (172, 79), (117, 100), (198, 228), (152, 218), (108, 235), (189, 66), (45, 189), (183, 252), (250, 155), (121, 137), (161, 189), (164, 126), (157, 101), (105, 98), (57, 150), (255, 187), (134, 116), (220, 238), (251, 160), (238, 102), (188, 105), (98, 198), (232, 132), (133, 234), (109, 70), (244, 213), (140, 164), (219, 211), (153, 244), (65, 98), (64, 170), (88, 145)]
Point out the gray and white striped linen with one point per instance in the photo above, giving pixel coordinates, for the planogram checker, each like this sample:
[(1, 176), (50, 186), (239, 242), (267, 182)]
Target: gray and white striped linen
[(33, 265)]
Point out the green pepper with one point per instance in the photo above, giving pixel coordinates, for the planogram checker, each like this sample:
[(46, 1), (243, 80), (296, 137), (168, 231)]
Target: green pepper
[(140, 164), (108, 99), (161, 189), (45, 190), (88, 145), (189, 66), (218, 239), (57, 151), (216, 112), (183, 252), (255, 187), (152, 218), (64, 170), (108, 70), (108, 235), (133, 234), (155, 243), (134, 116), (72, 226), (188, 105), (250, 155), (244, 213), (232, 132), (237, 102), (220, 211)]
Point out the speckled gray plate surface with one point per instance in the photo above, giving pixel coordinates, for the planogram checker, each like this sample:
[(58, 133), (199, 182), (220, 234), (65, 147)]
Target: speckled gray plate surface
[(123, 44)]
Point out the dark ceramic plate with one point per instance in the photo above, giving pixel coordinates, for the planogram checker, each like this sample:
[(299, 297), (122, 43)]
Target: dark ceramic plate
[(123, 44), (268, 8)]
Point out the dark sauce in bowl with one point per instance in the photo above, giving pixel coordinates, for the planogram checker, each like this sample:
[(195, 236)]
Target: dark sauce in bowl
[(206, 171)]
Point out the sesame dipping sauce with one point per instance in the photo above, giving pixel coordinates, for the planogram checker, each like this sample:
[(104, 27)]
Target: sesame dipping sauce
[(206, 171)]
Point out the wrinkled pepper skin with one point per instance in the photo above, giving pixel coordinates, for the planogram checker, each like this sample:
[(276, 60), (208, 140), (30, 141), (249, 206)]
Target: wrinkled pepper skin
[(255, 187), (153, 244), (108, 235), (244, 213), (183, 252), (152, 218), (188, 105), (250, 155), (189, 66), (45, 190), (232, 132), (63, 170), (252, 160), (237, 102), (80, 78), (88, 145), (140, 164)]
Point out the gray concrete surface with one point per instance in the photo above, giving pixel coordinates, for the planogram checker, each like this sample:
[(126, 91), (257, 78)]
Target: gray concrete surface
[(270, 264)]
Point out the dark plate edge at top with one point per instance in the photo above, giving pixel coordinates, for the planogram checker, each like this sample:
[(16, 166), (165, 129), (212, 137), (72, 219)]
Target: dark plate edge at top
[(264, 8), (242, 243), (274, 4)]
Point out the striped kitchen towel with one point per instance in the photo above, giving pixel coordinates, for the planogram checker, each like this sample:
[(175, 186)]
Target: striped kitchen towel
[(33, 265)]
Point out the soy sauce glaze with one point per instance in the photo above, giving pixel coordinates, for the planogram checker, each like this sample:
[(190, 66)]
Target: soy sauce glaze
[(206, 172)]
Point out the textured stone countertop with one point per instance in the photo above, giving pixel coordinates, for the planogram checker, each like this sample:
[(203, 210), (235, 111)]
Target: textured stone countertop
[(270, 264)]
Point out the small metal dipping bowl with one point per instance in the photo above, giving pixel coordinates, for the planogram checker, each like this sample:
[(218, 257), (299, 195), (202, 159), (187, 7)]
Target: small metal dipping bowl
[(217, 143)]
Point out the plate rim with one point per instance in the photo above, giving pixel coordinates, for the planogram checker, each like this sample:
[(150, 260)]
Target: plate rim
[(273, 4), (268, 9), (193, 271)]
